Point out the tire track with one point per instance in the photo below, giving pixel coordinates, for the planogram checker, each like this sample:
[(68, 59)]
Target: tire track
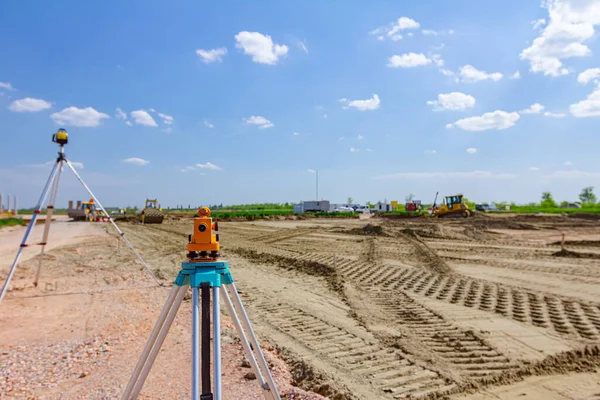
[(365, 360)]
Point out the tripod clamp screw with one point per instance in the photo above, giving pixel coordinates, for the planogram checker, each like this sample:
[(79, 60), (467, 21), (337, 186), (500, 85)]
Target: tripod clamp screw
[(216, 273)]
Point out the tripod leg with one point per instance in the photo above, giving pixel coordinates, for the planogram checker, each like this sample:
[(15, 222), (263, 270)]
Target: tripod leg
[(195, 344), (28, 231), (261, 357), (206, 392), (158, 344), (217, 343), (270, 392), (49, 212), (151, 340), (113, 223)]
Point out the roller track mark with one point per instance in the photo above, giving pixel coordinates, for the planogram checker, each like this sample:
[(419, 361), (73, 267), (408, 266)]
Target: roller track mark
[(468, 353), (365, 359)]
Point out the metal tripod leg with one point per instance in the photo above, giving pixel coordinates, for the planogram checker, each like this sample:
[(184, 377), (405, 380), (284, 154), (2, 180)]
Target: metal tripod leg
[(195, 344), (269, 389), (216, 343), (49, 213), (113, 223), (36, 212), (154, 343)]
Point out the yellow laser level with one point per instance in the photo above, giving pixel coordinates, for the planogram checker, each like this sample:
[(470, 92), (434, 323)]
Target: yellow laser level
[(61, 137), (204, 242)]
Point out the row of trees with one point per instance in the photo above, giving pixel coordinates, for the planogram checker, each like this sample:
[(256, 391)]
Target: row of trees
[(586, 197)]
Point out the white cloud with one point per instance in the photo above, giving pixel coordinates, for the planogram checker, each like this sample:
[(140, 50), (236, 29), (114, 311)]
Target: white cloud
[(533, 109), (84, 117), (370, 150), (498, 120), (151, 110), (312, 171), (589, 107), (260, 47), (209, 166), (29, 105), (136, 161), (360, 137), (471, 150), (408, 60), (188, 169), (303, 46), (448, 175), (568, 163), (167, 130), (210, 56), (516, 75), (120, 114), (533, 169), (208, 124), (353, 150), (363, 105), (469, 73), (449, 126), (262, 122), (455, 101), (538, 23), (392, 31), (77, 164), (429, 32), (430, 152), (554, 115), (588, 75), (571, 23), (295, 134), (343, 100), (6, 85), (141, 117), (128, 123), (167, 119)]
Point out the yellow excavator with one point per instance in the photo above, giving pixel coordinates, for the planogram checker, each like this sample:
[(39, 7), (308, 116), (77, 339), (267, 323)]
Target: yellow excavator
[(152, 214), (452, 206)]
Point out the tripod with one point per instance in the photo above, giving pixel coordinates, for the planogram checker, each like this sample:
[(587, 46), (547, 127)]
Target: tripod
[(52, 188), (201, 277)]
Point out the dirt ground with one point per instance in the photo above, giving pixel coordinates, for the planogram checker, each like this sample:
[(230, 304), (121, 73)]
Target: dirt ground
[(486, 308)]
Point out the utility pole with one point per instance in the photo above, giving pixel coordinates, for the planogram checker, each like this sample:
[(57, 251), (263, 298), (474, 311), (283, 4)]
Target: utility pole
[(317, 185)]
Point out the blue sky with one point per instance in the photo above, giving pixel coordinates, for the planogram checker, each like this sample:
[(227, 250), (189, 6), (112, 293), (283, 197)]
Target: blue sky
[(235, 102)]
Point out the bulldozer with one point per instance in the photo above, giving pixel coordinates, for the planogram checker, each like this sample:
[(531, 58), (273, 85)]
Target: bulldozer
[(152, 214), (452, 206)]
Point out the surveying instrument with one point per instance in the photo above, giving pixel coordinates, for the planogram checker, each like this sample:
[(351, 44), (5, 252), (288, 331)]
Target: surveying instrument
[(202, 272), (61, 138)]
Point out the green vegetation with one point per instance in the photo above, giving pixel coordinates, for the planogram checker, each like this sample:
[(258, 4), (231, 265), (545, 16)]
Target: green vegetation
[(11, 221)]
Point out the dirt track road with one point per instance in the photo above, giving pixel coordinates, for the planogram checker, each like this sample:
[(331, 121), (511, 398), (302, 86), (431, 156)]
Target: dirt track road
[(487, 308)]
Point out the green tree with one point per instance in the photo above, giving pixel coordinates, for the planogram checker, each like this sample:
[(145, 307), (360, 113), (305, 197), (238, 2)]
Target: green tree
[(587, 195), (409, 198), (548, 200), (350, 200)]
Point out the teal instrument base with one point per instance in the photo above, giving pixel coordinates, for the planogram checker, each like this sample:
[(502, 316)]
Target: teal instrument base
[(216, 273)]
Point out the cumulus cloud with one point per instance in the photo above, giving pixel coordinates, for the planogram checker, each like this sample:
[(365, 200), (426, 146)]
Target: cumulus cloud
[(29, 104), (261, 122), (363, 105), (568, 163), (295, 134), (572, 174), (471, 150), (141, 117), (430, 151), (516, 75), (588, 75), (83, 117), (409, 60), (209, 166), (469, 73), (455, 101), (208, 124), (120, 114), (533, 109), (353, 150), (589, 107), (312, 171), (167, 119), (554, 115), (136, 161), (303, 46), (533, 169), (571, 22), (449, 175), (392, 30), (260, 47), (210, 56), (6, 85), (498, 120), (128, 123), (360, 137)]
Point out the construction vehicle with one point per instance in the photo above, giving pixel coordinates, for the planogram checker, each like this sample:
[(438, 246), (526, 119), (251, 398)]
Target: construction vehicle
[(85, 211), (452, 206), (152, 214)]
